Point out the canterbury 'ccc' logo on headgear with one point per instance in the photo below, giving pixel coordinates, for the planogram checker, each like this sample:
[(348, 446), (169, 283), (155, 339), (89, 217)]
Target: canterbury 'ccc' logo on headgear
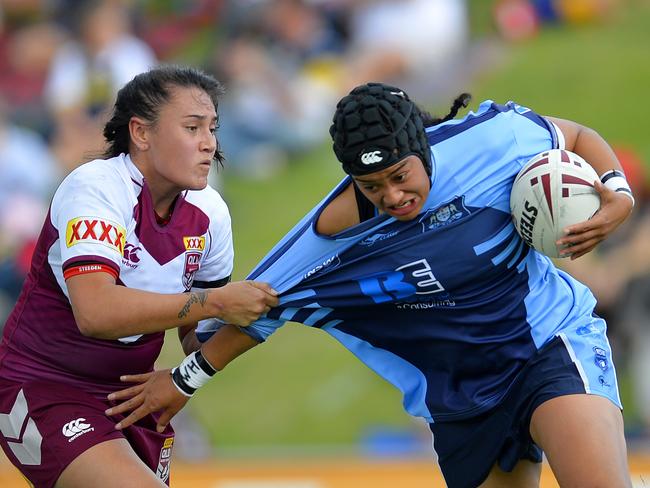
[(372, 157), (374, 127)]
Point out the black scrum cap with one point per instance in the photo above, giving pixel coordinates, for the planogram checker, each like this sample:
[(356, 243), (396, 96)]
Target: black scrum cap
[(374, 127)]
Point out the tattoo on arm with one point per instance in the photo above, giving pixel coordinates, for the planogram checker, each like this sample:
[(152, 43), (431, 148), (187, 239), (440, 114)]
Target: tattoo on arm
[(195, 297)]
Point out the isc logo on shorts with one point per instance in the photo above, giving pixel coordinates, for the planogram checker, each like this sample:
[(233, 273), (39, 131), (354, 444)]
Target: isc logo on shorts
[(94, 230)]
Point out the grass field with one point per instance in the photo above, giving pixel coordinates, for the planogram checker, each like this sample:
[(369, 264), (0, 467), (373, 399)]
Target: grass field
[(301, 388)]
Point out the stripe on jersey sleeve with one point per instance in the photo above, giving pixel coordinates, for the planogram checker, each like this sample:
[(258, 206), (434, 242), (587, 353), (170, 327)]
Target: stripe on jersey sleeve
[(86, 268), (212, 284), (561, 144)]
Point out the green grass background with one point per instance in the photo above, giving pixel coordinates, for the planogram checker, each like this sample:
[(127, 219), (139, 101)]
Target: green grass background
[(301, 390)]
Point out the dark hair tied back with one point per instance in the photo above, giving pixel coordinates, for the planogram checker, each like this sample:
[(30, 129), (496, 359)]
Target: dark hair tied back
[(143, 97), (461, 101)]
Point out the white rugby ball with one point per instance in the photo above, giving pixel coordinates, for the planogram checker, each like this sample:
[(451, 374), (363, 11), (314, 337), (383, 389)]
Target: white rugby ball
[(553, 190)]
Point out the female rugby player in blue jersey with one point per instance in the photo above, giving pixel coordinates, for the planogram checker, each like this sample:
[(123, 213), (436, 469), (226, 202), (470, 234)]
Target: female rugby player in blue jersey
[(412, 263)]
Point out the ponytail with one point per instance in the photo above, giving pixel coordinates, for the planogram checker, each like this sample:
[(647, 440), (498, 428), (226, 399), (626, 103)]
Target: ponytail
[(461, 101)]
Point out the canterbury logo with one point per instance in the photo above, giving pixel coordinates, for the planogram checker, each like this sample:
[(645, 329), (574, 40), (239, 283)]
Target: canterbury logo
[(371, 157), (75, 427)]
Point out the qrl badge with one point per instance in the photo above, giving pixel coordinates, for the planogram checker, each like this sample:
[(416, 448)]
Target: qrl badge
[(162, 471), (194, 247), (192, 265)]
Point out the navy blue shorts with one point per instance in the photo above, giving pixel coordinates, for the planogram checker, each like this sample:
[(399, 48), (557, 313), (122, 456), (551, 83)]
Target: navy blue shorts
[(468, 449)]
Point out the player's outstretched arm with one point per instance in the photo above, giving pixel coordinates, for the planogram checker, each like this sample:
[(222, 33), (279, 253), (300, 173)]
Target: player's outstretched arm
[(187, 337), (167, 391), (616, 200), (105, 310)]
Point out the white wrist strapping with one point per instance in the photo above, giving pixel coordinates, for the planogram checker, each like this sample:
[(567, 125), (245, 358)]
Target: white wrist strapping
[(615, 180), (193, 372)]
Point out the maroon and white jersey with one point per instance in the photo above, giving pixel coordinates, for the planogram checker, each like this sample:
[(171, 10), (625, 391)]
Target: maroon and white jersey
[(102, 215)]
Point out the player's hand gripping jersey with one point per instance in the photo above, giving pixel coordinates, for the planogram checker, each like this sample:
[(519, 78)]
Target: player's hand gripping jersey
[(449, 306), (102, 217)]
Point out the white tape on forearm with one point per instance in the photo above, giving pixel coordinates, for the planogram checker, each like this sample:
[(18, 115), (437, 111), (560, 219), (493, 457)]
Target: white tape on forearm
[(615, 181), (193, 372)]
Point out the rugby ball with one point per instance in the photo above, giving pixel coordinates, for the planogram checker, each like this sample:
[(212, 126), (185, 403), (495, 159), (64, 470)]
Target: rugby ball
[(553, 190)]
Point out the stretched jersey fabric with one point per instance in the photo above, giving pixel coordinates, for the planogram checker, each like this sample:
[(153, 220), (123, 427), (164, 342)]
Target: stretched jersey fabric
[(447, 307), (102, 214)]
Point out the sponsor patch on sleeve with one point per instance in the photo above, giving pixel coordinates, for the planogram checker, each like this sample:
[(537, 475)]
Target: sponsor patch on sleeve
[(88, 268), (94, 230), (194, 243)]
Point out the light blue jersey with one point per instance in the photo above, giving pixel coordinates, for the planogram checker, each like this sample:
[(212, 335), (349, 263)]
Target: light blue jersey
[(449, 306)]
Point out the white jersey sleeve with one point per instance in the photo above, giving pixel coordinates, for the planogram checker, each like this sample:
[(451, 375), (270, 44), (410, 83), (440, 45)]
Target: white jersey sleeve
[(90, 213)]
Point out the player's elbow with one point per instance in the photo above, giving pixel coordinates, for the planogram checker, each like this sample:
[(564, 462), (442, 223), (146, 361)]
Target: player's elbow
[(91, 325)]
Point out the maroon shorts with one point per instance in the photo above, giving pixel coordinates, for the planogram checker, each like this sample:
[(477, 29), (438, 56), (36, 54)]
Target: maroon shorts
[(44, 426)]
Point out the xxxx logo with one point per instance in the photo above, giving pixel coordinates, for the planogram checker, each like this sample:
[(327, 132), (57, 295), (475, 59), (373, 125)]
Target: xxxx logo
[(195, 243), (95, 230)]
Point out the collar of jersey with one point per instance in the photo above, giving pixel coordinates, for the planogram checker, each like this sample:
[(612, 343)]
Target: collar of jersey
[(134, 172)]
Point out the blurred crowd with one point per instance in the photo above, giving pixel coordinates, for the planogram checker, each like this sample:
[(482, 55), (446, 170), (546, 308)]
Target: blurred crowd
[(518, 20), (283, 64)]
